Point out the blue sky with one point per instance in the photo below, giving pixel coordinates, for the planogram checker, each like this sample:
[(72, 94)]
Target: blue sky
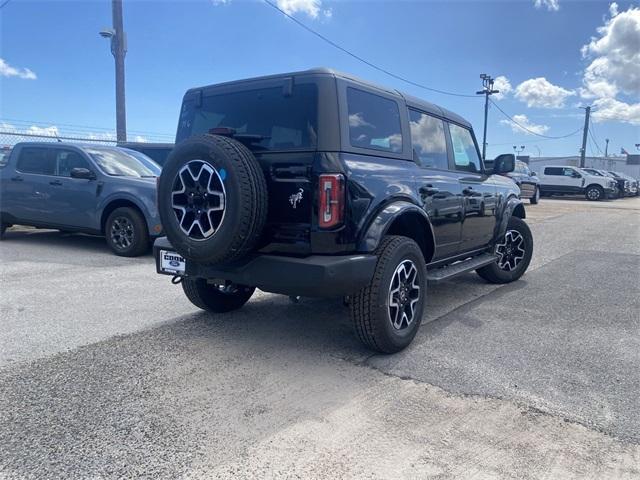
[(175, 45)]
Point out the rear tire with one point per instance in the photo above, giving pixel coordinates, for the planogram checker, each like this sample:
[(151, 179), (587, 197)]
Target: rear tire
[(400, 278), (594, 193), (509, 266), (126, 232), (214, 299)]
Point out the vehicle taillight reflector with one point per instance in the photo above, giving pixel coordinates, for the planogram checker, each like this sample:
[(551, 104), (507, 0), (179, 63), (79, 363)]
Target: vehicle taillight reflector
[(331, 200)]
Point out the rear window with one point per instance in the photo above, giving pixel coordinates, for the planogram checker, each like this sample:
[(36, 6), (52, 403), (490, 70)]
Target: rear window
[(374, 121), (36, 160), (279, 121)]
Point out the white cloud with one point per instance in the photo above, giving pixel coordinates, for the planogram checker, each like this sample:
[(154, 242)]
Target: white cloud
[(539, 92), (527, 124), (552, 5), (312, 8), (7, 70), (51, 131), (220, 2), (613, 9), (616, 56), (502, 84), (610, 109), (357, 120)]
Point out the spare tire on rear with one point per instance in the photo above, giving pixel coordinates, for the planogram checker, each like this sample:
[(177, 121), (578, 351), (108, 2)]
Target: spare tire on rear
[(212, 198)]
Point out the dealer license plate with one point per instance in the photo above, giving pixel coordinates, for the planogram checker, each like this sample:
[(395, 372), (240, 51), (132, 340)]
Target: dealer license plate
[(171, 262)]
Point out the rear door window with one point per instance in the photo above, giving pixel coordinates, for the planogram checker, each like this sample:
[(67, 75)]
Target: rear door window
[(374, 121), (36, 160), (553, 171), (428, 140)]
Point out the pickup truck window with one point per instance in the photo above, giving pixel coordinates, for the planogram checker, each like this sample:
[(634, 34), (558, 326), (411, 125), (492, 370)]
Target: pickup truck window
[(374, 121), (553, 171), (66, 160), (464, 149), (36, 160), (428, 140)]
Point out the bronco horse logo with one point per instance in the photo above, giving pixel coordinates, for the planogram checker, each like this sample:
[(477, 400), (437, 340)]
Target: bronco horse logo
[(296, 198)]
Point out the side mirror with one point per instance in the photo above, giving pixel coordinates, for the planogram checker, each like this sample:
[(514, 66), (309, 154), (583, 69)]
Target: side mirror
[(504, 163), (83, 173), (533, 174)]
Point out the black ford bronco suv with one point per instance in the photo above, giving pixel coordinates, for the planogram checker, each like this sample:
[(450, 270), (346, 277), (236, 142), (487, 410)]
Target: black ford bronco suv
[(319, 184)]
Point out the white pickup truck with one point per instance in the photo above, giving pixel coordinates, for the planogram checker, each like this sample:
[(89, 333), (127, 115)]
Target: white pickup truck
[(567, 180)]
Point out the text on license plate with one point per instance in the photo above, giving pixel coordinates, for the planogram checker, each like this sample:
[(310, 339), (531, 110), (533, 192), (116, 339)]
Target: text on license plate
[(171, 262)]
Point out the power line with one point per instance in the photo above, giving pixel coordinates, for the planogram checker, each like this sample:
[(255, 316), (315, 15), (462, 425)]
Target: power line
[(22, 123), (4, 4), (359, 58), (595, 142), (529, 130)]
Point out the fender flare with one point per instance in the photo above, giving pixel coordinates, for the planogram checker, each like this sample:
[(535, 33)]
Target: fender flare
[(380, 223), (120, 196), (513, 207)]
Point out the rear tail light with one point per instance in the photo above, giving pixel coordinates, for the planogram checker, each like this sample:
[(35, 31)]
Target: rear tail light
[(331, 200)]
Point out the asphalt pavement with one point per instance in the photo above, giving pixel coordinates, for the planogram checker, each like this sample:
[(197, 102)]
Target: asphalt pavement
[(107, 371)]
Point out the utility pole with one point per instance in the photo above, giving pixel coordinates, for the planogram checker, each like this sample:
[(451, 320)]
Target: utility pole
[(583, 150), (118, 49), (606, 147), (487, 84)]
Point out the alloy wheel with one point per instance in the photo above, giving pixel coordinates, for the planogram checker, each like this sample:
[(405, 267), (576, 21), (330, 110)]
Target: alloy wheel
[(511, 251), (198, 199), (404, 294), (122, 233)]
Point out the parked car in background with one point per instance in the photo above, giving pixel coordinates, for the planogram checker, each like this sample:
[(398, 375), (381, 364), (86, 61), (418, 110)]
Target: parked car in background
[(568, 180), (4, 155), (622, 185), (158, 152), (634, 184), (527, 181), (82, 188)]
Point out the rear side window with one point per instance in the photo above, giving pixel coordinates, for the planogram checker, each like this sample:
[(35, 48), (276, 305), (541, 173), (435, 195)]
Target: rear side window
[(374, 122), (465, 153), (36, 160), (554, 171), (428, 140)]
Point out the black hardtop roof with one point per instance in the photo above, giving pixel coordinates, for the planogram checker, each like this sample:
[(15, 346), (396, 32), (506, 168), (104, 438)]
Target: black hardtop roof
[(410, 100)]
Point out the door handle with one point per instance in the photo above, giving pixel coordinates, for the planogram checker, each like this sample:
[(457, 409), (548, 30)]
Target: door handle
[(17, 179), (429, 190), (55, 182)]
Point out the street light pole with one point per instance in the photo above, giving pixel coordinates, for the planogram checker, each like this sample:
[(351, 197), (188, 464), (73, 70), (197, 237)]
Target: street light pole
[(487, 83), (606, 148), (583, 150), (118, 49)]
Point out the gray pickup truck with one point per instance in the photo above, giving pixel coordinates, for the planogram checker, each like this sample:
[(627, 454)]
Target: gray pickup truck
[(99, 190)]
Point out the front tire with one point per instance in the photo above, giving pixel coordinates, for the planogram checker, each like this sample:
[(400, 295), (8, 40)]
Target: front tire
[(536, 197), (514, 252), (216, 298), (126, 232), (594, 193), (388, 312)]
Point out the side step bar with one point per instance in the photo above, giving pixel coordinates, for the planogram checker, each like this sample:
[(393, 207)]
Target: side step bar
[(445, 273)]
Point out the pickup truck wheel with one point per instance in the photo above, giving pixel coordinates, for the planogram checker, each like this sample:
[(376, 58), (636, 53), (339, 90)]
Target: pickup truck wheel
[(388, 312), (216, 298), (126, 232), (212, 198), (514, 252), (594, 193), (536, 197)]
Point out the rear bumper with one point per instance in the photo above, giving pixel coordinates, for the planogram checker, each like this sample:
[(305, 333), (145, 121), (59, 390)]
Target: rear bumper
[(313, 276)]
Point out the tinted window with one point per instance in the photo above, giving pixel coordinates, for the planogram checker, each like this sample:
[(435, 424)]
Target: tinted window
[(553, 171), (66, 160), (278, 121), (428, 140), (569, 172), (36, 160), (374, 121), (465, 153)]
